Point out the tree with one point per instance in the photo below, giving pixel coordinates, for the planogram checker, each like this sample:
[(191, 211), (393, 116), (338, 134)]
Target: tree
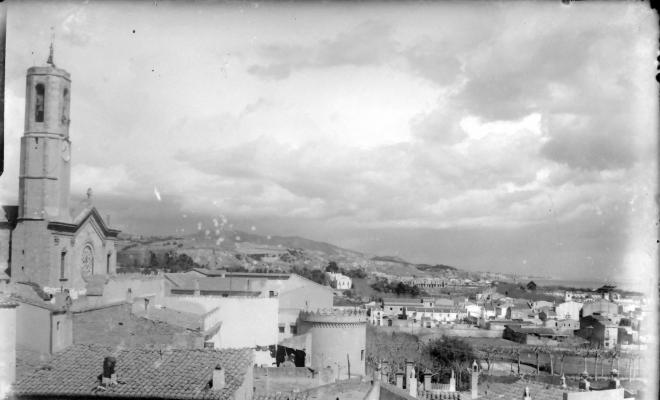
[(547, 350), (451, 352), (562, 356), (332, 267), (537, 351), (489, 353), (153, 260)]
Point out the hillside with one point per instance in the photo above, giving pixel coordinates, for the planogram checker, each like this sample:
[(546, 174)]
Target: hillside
[(244, 250)]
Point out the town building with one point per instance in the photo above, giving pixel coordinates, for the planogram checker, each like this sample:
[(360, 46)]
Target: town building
[(541, 304), (533, 335), (601, 307), (425, 282), (376, 315), (522, 313), (340, 281), (395, 306), (599, 330), (568, 310), (434, 315), (292, 292)]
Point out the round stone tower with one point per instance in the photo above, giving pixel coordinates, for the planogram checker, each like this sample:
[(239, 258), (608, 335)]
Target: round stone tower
[(44, 179), (338, 340)]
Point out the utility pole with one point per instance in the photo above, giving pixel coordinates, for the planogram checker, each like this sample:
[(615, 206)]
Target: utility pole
[(348, 361)]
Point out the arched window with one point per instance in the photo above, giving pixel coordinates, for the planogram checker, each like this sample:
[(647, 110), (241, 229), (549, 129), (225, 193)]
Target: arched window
[(39, 108), (65, 106), (63, 264), (87, 259)]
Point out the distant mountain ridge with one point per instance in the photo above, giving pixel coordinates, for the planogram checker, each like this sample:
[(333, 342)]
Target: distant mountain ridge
[(227, 248)]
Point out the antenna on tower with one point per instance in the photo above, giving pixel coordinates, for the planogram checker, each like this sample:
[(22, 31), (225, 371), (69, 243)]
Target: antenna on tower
[(52, 40)]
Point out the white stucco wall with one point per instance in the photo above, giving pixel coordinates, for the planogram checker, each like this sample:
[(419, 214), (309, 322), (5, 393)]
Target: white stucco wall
[(246, 321)]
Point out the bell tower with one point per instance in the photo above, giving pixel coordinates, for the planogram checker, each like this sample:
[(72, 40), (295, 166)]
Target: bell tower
[(44, 177)]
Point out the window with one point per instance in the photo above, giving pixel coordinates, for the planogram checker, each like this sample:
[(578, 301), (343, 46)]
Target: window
[(293, 329), (39, 107), (87, 259), (62, 264), (281, 328), (65, 106)]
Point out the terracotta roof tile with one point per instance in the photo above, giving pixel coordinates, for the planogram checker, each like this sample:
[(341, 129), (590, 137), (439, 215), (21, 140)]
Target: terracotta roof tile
[(167, 374)]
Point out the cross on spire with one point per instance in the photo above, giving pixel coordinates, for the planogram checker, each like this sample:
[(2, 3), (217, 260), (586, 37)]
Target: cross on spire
[(52, 40)]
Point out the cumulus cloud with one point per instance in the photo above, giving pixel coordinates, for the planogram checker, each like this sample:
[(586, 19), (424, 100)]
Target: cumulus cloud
[(433, 60), (369, 43), (589, 142)]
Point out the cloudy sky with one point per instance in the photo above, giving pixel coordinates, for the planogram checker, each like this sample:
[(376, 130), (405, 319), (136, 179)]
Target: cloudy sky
[(516, 137)]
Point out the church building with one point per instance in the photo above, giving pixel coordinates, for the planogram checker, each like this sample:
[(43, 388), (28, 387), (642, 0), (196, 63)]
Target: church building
[(43, 240)]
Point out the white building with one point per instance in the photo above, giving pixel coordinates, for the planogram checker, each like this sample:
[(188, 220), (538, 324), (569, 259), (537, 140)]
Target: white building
[(341, 281), (442, 315), (376, 316), (569, 310)]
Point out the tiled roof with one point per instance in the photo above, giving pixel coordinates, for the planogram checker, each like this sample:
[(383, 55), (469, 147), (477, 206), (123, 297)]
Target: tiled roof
[(437, 309), (266, 275), (173, 317), (215, 284), (141, 373), (38, 303), (7, 302), (401, 300), (531, 330)]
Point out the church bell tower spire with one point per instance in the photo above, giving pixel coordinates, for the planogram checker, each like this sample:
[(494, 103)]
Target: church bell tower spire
[(51, 58), (44, 178)]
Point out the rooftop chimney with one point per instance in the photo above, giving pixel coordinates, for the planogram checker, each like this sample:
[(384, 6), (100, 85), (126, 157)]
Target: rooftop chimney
[(109, 376), (218, 382)]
